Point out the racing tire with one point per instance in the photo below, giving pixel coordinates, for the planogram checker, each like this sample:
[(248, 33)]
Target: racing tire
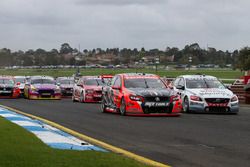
[(123, 107), (186, 105), (73, 98), (103, 106), (82, 98)]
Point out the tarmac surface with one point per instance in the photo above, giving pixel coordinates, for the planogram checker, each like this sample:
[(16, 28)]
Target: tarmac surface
[(188, 140)]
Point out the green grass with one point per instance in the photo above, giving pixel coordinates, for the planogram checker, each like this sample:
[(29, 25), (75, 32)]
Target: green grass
[(19, 147), (228, 74)]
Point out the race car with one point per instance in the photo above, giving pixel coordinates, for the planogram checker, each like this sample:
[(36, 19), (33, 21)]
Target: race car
[(106, 78), (140, 94), (66, 85), (203, 93), (88, 89), (20, 82), (42, 87), (8, 88)]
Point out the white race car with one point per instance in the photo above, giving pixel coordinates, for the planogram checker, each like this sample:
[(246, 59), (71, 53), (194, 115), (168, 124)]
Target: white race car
[(203, 93)]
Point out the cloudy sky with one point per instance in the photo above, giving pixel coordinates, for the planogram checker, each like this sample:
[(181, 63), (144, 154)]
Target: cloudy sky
[(32, 24)]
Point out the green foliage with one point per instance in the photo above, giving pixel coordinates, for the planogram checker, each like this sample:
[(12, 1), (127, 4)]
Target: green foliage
[(244, 58), (66, 56), (228, 74)]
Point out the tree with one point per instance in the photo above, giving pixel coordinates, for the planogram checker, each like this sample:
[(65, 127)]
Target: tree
[(65, 48), (244, 58)]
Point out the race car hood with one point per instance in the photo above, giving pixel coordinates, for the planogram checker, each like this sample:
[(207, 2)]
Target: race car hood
[(44, 86), (6, 85), (66, 86), (212, 93), (21, 86), (162, 92), (93, 87)]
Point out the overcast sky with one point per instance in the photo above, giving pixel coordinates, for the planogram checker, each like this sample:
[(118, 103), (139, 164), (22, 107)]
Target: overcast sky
[(32, 24)]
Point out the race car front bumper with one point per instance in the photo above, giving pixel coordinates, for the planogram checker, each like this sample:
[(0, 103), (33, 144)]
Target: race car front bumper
[(37, 96), (153, 109), (232, 107), (93, 98)]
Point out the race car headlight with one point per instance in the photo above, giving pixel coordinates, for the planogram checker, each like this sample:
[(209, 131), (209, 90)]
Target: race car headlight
[(174, 98), (89, 91), (136, 98), (195, 98), (234, 99), (33, 89), (57, 90)]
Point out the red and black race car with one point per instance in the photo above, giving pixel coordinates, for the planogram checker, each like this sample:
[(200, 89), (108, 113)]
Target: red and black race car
[(140, 95), (8, 88), (88, 89)]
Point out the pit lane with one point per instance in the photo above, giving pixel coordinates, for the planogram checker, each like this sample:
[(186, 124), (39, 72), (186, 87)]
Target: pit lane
[(189, 140)]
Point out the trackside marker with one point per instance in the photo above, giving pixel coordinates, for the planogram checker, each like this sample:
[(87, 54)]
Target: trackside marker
[(92, 140), (51, 136)]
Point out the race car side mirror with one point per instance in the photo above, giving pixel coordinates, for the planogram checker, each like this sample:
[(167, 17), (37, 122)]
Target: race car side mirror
[(180, 87), (116, 87), (80, 85)]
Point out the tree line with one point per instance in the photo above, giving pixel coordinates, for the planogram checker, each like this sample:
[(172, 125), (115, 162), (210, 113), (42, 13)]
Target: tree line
[(67, 55)]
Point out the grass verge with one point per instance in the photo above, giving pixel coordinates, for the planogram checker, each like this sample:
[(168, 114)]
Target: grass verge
[(21, 148), (229, 74)]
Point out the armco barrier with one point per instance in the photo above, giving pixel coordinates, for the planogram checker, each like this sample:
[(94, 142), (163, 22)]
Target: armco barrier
[(240, 92)]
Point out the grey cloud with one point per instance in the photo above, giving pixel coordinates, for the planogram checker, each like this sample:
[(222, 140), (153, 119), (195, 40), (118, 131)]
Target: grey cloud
[(120, 2), (124, 23)]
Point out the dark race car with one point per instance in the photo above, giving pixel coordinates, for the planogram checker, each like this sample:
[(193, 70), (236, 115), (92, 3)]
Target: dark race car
[(8, 88), (66, 84), (141, 95)]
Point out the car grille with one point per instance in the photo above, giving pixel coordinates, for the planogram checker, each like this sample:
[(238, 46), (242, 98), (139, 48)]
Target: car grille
[(218, 109), (67, 91), (156, 99), (6, 89), (149, 110), (10, 89), (98, 92), (217, 100), (46, 93)]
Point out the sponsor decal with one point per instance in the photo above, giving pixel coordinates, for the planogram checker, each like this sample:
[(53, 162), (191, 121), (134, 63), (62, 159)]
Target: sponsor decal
[(156, 104), (214, 92)]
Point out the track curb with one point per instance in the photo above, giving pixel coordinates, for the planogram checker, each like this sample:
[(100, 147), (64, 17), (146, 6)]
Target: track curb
[(91, 140)]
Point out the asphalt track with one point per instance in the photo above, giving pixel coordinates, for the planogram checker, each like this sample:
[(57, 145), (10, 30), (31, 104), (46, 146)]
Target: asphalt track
[(189, 140)]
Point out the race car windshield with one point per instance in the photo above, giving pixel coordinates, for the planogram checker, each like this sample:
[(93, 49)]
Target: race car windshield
[(204, 83), (66, 82), (21, 80), (94, 82), (144, 83), (6, 81), (42, 81)]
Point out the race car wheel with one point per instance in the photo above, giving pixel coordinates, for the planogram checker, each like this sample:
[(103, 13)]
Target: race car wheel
[(73, 98), (82, 98), (123, 107), (103, 106), (186, 105)]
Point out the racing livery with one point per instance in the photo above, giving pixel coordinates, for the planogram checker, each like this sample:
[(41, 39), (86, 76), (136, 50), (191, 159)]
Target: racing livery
[(140, 95), (88, 89), (8, 88), (41, 87), (20, 82), (66, 85), (203, 93)]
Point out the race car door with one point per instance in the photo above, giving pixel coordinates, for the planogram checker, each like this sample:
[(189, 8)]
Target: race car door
[(116, 91)]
